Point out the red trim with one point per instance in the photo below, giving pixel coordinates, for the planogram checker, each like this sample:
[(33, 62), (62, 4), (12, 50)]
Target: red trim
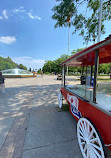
[(87, 56)]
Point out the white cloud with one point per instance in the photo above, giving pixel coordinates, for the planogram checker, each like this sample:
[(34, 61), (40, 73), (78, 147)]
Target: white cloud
[(37, 17), (33, 17), (30, 15), (29, 62), (22, 9), (16, 10), (5, 14), (7, 39), (19, 10)]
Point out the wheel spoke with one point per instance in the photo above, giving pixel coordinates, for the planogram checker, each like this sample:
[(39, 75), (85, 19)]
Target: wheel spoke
[(93, 155), (95, 146), (96, 152), (82, 138), (82, 143), (85, 148), (93, 140), (82, 127), (88, 129), (88, 155), (80, 132), (85, 126), (91, 134)]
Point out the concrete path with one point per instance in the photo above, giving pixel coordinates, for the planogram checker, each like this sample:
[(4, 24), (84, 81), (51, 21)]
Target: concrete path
[(31, 126)]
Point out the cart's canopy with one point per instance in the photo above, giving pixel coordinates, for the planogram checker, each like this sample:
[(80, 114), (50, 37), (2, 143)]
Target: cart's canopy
[(86, 57)]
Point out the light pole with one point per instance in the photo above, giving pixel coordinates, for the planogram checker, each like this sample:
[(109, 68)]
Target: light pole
[(97, 53), (100, 20), (68, 47)]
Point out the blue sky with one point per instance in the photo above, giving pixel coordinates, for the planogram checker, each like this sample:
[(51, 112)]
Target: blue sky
[(28, 36)]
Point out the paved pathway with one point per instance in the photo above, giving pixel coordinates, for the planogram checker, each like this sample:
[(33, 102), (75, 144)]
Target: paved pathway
[(31, 125)]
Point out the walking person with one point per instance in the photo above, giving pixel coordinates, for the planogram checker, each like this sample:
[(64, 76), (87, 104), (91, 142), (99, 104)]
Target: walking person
[(2, 82), (42, 74)]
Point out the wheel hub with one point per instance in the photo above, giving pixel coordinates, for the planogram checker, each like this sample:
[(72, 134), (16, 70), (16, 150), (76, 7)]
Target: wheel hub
[(87, 141)]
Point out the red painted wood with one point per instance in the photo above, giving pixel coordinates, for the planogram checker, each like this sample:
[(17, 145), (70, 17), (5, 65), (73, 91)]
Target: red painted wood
[(88, 59)]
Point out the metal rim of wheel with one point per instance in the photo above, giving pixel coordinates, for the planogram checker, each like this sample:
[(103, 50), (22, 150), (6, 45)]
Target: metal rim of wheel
[(89, 140), (60, 99)]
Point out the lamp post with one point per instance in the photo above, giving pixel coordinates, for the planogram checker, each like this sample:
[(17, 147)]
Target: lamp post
[(68, 47), (100, 20), (97, 53)]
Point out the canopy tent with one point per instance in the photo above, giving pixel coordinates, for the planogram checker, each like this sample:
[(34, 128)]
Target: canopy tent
[(86, 57)]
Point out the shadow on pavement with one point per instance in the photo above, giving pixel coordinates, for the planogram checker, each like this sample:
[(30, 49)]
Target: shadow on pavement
[(31, 124)]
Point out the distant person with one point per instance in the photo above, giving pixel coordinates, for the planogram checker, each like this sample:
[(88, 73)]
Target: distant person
[(41, 73), (2, 82), (33, 73)]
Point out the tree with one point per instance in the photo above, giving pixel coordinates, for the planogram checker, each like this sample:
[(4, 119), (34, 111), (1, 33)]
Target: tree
[(76, 51), (63, 12), (22, 67), (54, 66), (110, 69), (85, 21), (39, 71), (48, 66), (30, 69), (7, 63)]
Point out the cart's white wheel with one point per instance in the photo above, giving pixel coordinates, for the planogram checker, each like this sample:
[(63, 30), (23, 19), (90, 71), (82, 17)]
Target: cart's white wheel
[(89, 140), (60, 99)]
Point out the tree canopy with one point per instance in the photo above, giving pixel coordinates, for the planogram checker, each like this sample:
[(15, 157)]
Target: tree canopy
[(76, 51), (20, 66), (54, 66), (71, 13), (7, 63)]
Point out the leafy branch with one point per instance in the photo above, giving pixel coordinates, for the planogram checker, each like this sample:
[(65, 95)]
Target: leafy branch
[(86, 22)]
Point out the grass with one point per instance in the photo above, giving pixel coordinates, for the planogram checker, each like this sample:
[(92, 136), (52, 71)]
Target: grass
[(65, 107), (104, 79), (103, 74)]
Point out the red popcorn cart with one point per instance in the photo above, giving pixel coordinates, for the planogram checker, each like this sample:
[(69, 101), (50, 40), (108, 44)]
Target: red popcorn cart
[(89, 106)]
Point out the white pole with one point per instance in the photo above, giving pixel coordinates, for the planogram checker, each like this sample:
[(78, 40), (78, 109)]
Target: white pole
[(97, 54), (100, 20), (68, 49)]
